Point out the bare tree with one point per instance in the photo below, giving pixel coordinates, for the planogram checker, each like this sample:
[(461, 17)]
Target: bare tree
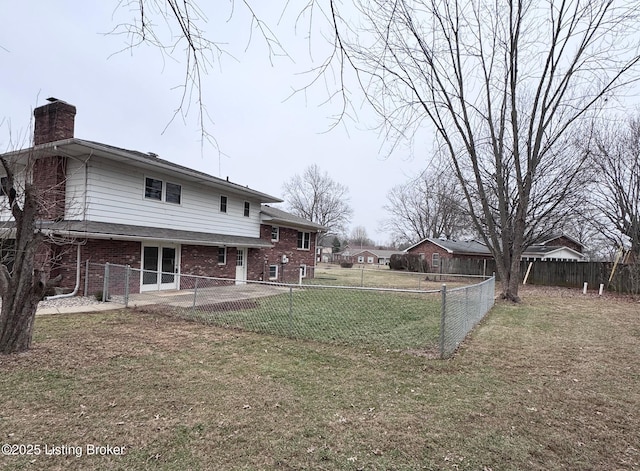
[(429, 205), (358, 237), (177, 29), (614, 150), (505, 84), (24, 286), (315, 196)]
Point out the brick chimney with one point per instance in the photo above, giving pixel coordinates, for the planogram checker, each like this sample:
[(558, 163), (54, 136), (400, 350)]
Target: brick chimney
[(53, 121)]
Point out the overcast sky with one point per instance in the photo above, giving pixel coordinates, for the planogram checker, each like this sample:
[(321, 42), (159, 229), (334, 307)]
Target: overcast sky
[(126, 99)]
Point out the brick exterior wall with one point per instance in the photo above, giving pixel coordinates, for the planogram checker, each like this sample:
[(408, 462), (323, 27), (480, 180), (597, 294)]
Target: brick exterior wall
[(203, 261), (259, 260), (428, 248), (99, 251)]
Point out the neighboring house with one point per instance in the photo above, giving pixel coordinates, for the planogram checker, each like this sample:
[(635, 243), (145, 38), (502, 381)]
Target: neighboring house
[(132, 208), (372, 256), (324, 254), (434, 250), (367, 255)]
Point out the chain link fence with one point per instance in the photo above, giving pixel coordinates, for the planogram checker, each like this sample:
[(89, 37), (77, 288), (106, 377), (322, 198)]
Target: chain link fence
[(462, 309), (398, 319)]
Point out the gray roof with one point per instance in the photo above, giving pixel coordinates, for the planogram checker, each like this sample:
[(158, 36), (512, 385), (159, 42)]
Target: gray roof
[(380, 253), (79, 148), (102, 230), (278, 216), (469, 247)]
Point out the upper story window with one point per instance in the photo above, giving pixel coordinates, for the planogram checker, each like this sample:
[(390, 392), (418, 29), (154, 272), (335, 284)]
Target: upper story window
[(247, 208), (174, 192), (275, 233), (304, 240), (155, 188), (223, 204)]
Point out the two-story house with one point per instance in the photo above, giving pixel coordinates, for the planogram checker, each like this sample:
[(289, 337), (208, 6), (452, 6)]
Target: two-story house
[(107, 204)]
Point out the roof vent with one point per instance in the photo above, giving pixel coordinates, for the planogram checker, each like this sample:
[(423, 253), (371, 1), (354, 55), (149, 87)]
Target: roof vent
[(152, 154)]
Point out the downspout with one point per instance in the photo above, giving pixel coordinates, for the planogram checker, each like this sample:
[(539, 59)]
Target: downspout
[(75, 290)]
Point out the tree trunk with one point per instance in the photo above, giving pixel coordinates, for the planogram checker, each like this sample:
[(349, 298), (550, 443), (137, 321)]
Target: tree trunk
[(17, 318), (23, 288), (510, 289)]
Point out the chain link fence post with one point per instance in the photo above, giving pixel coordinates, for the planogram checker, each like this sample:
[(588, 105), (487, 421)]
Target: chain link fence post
[(105, 284), (195, 295), (86, 279), (127, 273), (443, 311), (290, 311)]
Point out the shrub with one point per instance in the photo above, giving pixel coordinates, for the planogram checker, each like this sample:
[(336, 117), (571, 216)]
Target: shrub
[(408, 262), (346, 264)]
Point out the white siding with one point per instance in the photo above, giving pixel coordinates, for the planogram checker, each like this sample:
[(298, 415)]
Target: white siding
[(75, 195), (116, 194), (563, 254), (19, 179)]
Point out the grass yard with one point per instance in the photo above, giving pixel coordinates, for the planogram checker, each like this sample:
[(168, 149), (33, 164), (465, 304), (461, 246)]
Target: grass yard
[(553, 383), (387, 320), (383, 277)]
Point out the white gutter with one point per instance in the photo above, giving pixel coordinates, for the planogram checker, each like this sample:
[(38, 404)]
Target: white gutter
[(75, 289)]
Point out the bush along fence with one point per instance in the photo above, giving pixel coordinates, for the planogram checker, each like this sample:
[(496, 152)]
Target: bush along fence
[(422, 321)]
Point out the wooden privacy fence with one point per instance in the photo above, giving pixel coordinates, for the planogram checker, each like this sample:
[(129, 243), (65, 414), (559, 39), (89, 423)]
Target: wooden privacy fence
[(626, 278)]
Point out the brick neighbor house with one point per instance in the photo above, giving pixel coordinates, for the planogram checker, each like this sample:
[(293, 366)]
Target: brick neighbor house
[(107, 204), (557, 247)]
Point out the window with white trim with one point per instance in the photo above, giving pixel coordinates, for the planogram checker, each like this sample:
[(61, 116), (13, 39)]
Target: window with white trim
[(435, 260), (223, 204), (154, 189), (304, 240), (275, 233), (303, 270), (247, 208), (173, 193), (222, 255), (273, 272), (369, 259), (360, 258)]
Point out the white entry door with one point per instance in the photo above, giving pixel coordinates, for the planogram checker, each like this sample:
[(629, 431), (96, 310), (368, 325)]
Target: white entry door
[(159, 267), (241, 266)]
